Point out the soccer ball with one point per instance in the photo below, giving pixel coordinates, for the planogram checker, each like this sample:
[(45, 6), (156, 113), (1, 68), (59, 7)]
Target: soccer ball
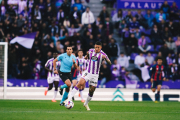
[(69, 104)]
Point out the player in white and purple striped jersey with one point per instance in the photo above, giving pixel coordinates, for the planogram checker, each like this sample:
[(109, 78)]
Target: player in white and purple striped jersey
[(82, 67), (52, 78), (91, 74)]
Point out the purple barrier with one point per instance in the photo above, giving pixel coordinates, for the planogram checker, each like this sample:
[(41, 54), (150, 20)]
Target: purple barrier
[(110, 84)]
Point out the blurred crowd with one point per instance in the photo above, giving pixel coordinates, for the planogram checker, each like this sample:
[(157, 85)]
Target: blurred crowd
[(60, 23)]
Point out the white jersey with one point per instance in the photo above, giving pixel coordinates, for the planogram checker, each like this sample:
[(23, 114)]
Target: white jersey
[(95, 61), (82, 64), (49, 64)]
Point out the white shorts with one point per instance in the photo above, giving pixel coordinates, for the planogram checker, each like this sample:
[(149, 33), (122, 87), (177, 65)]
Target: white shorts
[(52, 79), (92, 78)]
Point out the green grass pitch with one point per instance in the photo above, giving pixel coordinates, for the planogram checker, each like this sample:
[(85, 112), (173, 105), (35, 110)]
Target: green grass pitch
[(46, 110)]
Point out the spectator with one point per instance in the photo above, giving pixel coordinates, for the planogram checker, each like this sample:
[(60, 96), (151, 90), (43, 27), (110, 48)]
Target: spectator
[(122, 27), (115, 64), (60, 16), (156, 36), (108, 27), (66, 22), (160, 16), (3, 9), (56, 38), (20, 22), (97, 22), (117, 18), (139, 60), (78, 5), (105, 47), (115, 74), (123, 61), (137, 33), (161, 25), (140, 18), (171, 45), (87, 17), (11, 12), (166, 8), (75, 14), (175, 72), (104, 74), (42, 7), (100, 30), (30, 5), (143, 44), (50, 4), (104, 14), (149, 18), (166, 34), (72, 30), (134, 24), (174, 14), (128, 17), (25, 13), (21, 5), (66, 8), (37, 13), (178, 44), (164, 50), (113, 49), (53, 29), (126, 35), (59, 47), (172, 28), (133, 44), (169, 59), (150, 59)]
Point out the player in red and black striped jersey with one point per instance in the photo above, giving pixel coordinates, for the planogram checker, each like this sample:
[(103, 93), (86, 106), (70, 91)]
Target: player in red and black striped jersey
[(158, 74)]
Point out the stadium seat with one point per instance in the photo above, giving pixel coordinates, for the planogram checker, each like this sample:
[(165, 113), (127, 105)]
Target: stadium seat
[(133, 55), (158, 47), (175, 38), (152, 48), (154, 55)]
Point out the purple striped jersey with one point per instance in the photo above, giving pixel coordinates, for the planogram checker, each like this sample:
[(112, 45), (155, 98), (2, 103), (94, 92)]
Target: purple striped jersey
[(82, 63), (95, 61), (49, 64)]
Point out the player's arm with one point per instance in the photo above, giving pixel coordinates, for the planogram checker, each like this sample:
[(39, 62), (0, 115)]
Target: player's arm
[(151, 72), (46, 66), (165, 73), (87, 55), (106, 59), (75, 63), (54, 66)]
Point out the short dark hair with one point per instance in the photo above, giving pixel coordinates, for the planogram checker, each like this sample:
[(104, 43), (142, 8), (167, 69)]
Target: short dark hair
[(159, 58), (98, 43), (122, 53), (68, 46), (80, 50)]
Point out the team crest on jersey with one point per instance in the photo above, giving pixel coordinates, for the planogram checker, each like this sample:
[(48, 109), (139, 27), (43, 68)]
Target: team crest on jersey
[(94, 58)]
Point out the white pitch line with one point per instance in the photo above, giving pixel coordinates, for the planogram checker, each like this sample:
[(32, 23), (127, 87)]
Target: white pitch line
[(77, 112)]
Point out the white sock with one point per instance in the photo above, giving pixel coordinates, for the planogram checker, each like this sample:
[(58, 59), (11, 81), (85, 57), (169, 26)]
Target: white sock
[(55, 93), (73, 92), (88, 100), (81, 94)]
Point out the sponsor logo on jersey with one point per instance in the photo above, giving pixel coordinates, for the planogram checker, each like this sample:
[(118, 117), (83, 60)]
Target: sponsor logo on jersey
[(94, 58)]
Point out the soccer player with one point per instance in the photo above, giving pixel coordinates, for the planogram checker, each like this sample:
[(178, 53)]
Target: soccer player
[(82, 67), (95, 56), (157, 73), (52, 78), (67, 61)]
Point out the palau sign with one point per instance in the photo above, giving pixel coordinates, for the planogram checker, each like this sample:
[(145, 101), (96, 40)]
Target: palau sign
[(141, 4)]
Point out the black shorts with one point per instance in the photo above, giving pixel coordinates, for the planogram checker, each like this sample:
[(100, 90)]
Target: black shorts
[(65, 76), (156, 83)]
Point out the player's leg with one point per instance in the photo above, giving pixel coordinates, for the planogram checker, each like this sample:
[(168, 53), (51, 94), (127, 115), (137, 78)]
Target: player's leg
[(50, 85), (81, 82), (81, 93), (153, 86), (56, 83), (74, 82), (90, 95), (157, 96), (65, 95)]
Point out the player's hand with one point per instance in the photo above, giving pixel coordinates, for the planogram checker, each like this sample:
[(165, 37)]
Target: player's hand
[(103, 56), (56, 72), (152, 80), (50, 70), (73, 60)]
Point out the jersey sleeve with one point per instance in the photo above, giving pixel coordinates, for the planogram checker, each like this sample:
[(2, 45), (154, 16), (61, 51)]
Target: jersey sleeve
[(60, 57), (47, 64), (152, 70)]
